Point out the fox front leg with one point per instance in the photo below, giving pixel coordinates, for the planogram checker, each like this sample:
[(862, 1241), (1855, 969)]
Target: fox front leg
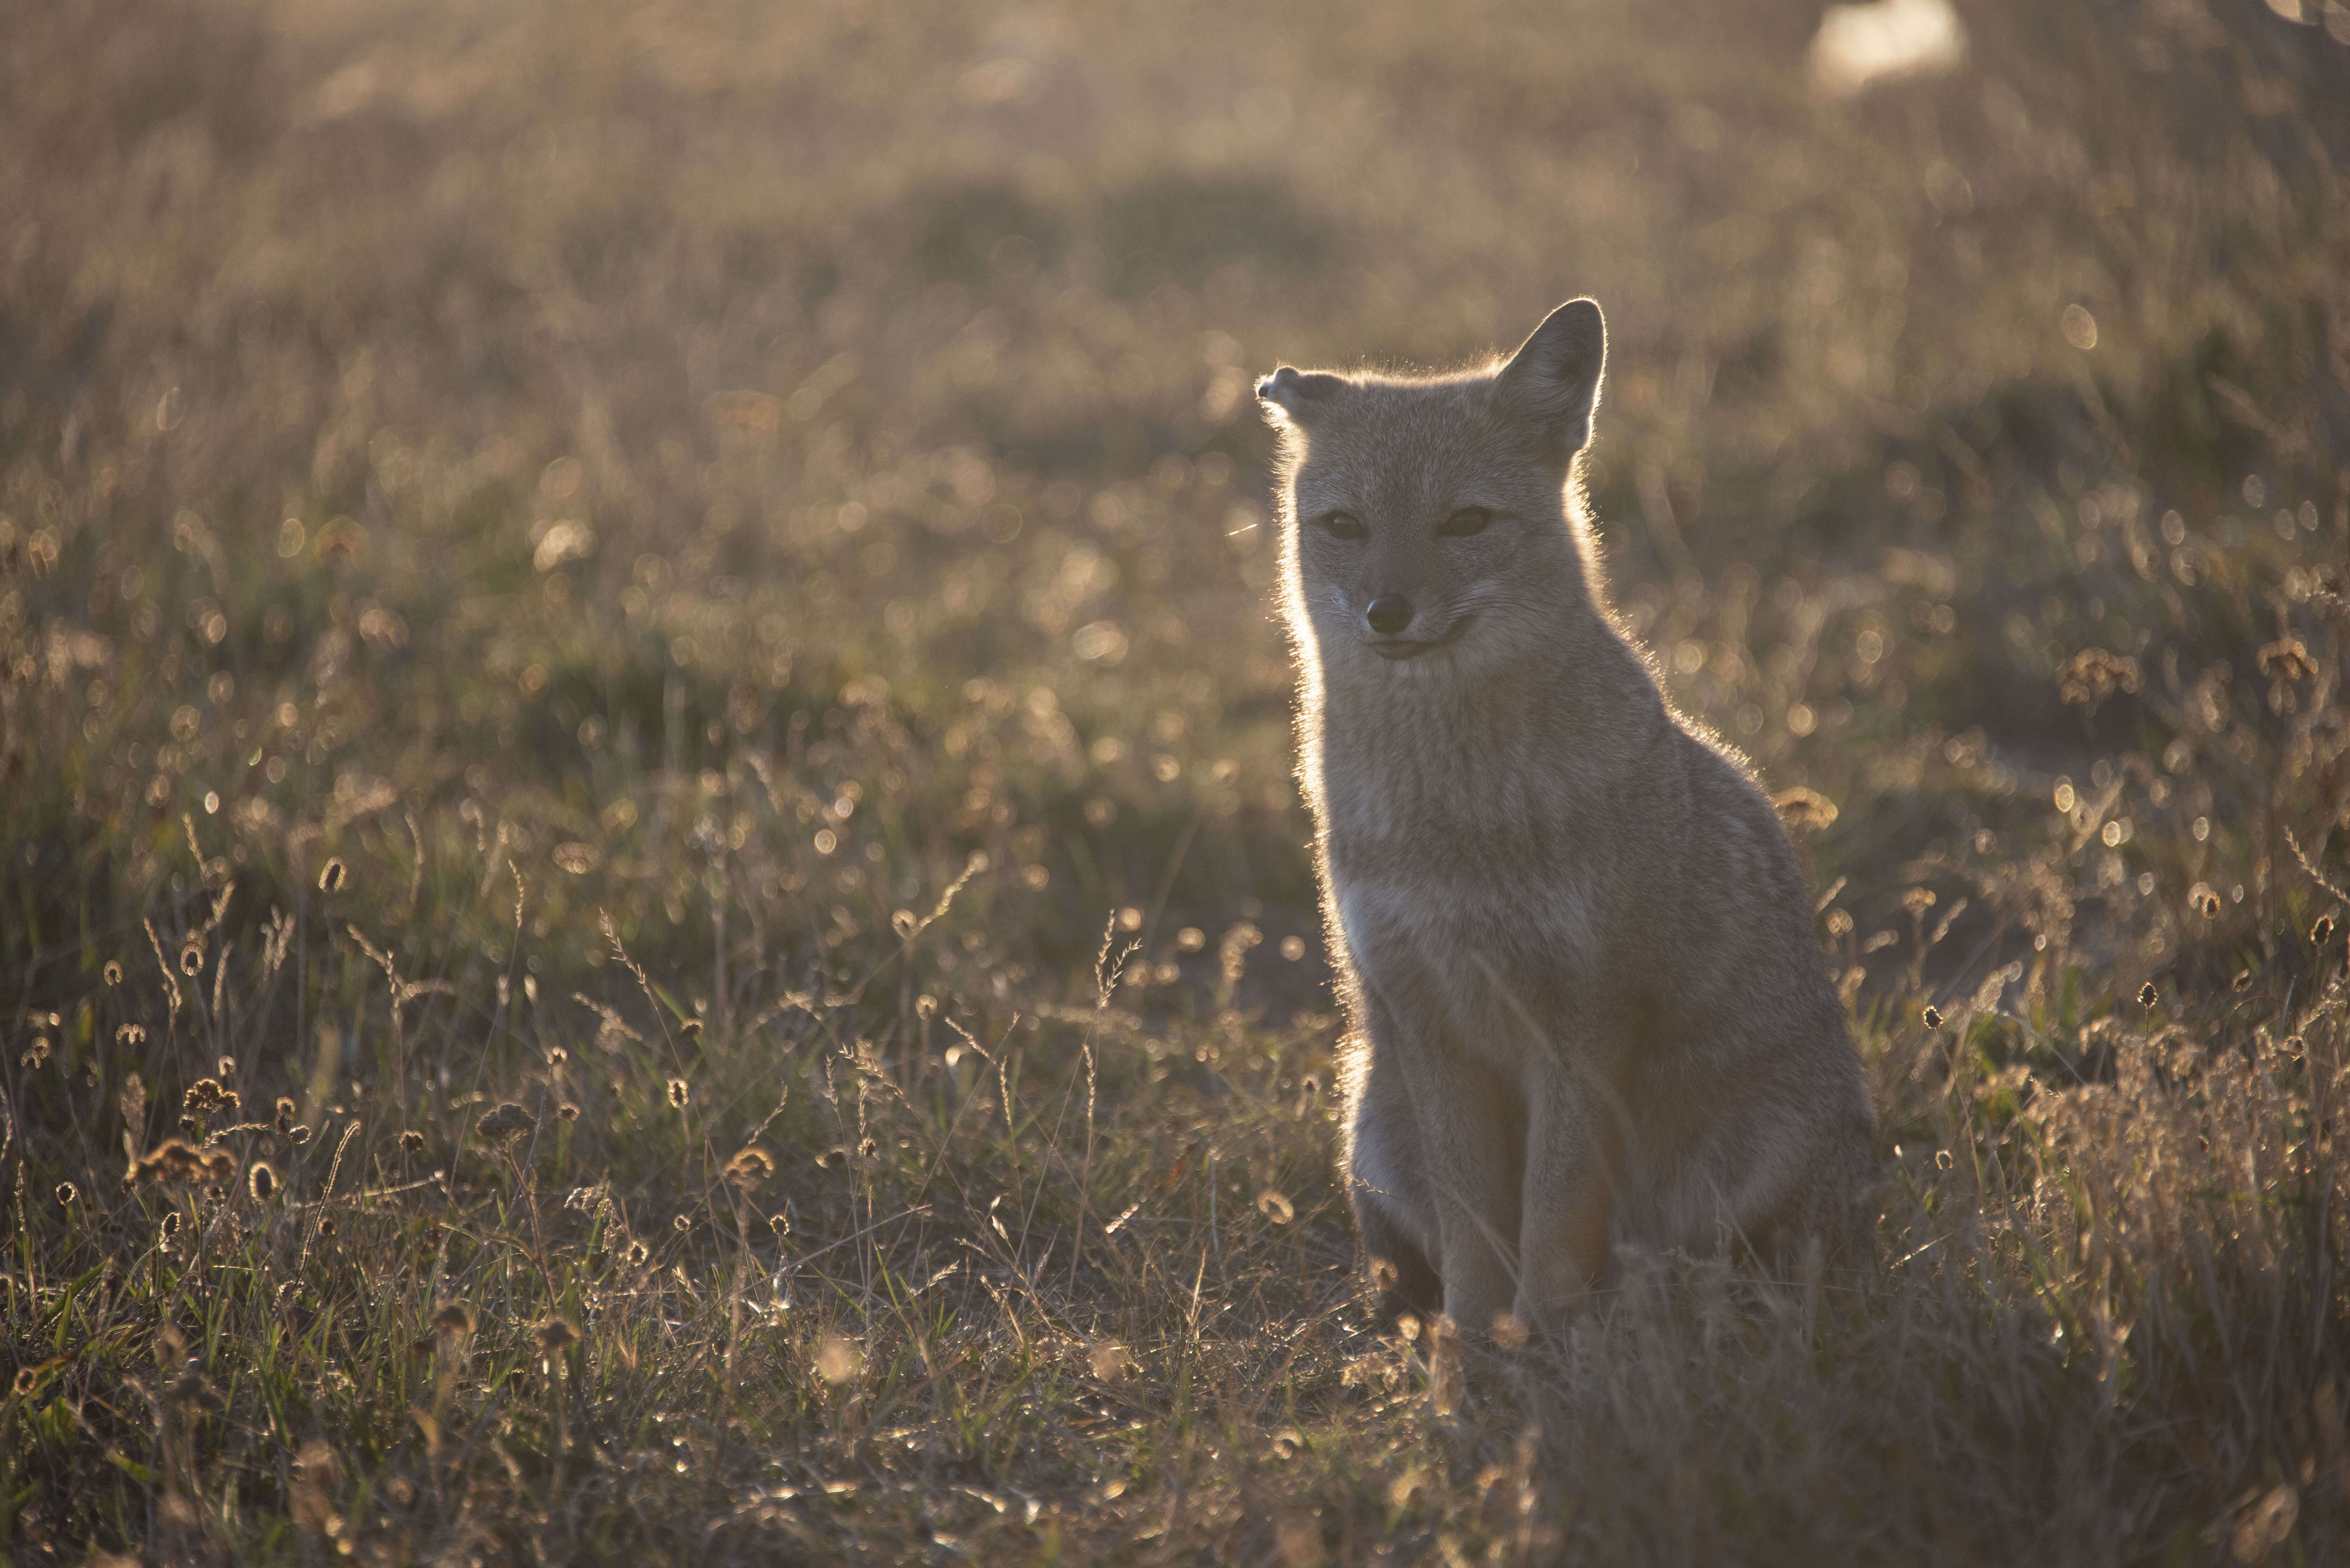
[(1575, 1132), (1471, 1147)]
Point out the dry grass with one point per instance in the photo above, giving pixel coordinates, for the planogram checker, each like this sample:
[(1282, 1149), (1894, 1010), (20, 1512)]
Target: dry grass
[(645, 772)]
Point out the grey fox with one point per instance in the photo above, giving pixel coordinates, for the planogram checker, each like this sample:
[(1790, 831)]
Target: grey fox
[(1588, 1010)]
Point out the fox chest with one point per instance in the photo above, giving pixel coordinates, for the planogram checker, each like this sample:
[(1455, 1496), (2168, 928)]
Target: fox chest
[(1480, 960)]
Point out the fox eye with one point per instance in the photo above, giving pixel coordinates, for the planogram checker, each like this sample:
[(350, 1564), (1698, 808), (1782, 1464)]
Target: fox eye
[(1341, 525), (1467, 521)]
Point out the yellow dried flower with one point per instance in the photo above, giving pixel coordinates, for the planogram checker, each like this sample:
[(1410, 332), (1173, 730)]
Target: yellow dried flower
[(749, 1167)]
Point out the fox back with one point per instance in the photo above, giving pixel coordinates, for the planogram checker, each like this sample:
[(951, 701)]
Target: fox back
[(1588, 1009)]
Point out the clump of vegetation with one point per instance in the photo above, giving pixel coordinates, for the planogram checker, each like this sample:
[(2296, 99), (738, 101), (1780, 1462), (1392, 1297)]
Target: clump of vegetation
[(652, 903)]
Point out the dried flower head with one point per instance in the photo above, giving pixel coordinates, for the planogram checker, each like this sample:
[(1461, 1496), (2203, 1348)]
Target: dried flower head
[(556, 1056), (113, 972), (36, 1055), (567, 1112), (328, 1226), (286, 1111), (27, 1380), (2092, 675), (637, 1253), (2287, 659), (1933, 1017), (1275, 1207), (206, 1097), (2322, 933), (682, 1223), (749, 1167), (2145, 994), (507, 1121), (454, 1318), (191, 958), (167, 1230), (67, 1193), (1803, 810), (330, 877), (555, 1336), (781, 1224), (175, 1162), (868, 1150), (131, 1035), (2208, 906), (691, 1026), (262, 1181), (678, 1093), (228, 1067), (410, 1141), (2243, 981)]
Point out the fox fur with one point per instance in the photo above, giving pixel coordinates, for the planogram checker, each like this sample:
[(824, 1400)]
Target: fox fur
[(1589, 1013)]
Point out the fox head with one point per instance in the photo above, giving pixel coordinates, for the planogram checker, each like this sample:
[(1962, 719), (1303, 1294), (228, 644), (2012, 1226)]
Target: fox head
[(1430, 525)]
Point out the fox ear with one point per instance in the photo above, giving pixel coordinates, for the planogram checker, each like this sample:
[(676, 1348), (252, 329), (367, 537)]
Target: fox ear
[(1553, 381), (1294, 396)]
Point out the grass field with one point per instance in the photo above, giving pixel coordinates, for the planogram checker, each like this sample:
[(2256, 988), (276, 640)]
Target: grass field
[(651, 906)]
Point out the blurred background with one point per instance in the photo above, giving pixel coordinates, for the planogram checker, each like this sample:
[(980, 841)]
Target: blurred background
[(639, 436)]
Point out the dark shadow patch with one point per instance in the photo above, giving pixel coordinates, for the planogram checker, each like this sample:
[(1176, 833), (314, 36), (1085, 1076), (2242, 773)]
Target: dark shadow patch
[(1180, 231), (963, 228)]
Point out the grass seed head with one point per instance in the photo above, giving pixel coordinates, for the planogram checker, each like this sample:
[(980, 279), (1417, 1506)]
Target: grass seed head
[(113, 972), (67, 1193), (410, 1141), (2145, 994), (261, 1180), (639, 1254), (1933, 1017), (228, 1067), (678, 1093), (330, 877), (286, 1112)]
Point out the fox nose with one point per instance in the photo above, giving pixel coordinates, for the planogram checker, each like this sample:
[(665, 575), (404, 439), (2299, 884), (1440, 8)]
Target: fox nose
[(1388, 614)]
